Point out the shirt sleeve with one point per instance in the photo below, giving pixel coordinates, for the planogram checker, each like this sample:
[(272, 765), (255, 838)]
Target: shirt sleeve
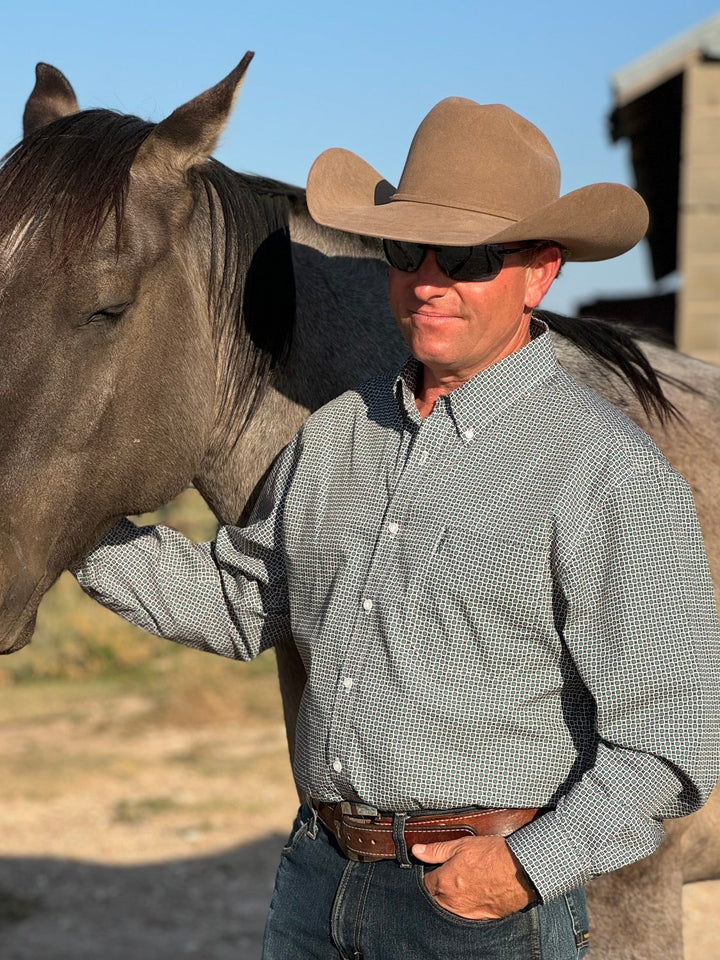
[(641, 627), (228, 597)]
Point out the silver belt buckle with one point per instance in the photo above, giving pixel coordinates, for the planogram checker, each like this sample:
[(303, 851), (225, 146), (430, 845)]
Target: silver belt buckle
[(350, 809), (346, 808)]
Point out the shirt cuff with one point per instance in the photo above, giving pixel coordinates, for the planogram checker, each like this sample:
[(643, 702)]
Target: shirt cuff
[(549, 857)]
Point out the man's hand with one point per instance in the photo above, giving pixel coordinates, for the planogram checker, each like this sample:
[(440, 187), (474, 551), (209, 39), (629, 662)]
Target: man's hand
[(479, 879)]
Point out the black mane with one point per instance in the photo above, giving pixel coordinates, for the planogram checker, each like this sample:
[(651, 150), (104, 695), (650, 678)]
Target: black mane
[(617, 350), (252, 288)]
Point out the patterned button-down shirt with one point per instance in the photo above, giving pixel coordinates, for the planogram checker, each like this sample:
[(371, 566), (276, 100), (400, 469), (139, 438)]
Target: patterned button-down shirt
[(504, 604)]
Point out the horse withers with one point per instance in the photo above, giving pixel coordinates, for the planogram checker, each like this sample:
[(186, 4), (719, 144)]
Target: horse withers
[(166, 321)]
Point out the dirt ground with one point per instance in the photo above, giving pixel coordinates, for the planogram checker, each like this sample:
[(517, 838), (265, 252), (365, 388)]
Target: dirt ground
[(133, 830)]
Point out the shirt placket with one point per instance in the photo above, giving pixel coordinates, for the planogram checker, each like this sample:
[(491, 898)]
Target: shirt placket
[(424, 450)]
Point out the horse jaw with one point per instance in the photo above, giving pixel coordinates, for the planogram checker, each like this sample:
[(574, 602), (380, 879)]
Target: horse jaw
[(19, 635), (20, 597)]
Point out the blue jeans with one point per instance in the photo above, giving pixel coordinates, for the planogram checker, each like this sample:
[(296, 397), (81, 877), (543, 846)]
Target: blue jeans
[(326, 907)]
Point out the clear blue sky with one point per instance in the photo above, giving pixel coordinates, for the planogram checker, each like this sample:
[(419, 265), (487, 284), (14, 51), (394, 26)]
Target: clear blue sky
[(358, 75)]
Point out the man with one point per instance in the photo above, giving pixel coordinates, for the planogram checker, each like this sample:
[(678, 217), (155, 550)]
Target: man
[(495, 581)]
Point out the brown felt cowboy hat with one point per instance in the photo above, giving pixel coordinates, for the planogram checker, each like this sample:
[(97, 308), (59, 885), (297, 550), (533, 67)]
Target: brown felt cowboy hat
[(476, 174)]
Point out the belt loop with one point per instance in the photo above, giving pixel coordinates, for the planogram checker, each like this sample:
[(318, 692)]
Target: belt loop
[(398, 834), (313, 827), (312, 830)]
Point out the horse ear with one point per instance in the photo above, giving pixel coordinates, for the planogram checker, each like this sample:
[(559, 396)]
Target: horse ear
[(190, 134), (52, 98)]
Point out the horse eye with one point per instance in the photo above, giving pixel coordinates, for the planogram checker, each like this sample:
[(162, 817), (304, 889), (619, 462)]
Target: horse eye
[(108, 314)]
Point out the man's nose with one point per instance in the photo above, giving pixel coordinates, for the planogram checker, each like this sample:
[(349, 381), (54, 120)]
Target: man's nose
[(429, 280)]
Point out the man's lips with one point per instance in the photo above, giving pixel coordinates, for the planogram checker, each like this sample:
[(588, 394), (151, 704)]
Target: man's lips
[(423, 317)]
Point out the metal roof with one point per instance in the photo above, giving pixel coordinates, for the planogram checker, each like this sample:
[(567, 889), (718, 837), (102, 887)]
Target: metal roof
[(701, 42)]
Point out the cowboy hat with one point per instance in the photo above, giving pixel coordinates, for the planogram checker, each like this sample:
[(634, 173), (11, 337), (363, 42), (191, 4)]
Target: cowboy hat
[(476, 174)]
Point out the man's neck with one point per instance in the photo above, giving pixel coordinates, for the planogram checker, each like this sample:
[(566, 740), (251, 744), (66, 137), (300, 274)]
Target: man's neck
[(438, 382), (430, 389)]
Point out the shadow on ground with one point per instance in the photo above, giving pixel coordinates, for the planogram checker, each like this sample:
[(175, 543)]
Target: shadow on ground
[(211, 907)]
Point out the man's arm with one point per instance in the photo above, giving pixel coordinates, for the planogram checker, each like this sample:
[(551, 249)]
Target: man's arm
[(228, 597), (642, 629)]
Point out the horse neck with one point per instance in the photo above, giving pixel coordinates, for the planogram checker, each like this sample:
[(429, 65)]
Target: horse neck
[(240, 229), (342, 334), (345, 329)]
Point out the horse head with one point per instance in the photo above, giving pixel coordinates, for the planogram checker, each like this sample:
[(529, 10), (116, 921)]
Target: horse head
[(109, 392)]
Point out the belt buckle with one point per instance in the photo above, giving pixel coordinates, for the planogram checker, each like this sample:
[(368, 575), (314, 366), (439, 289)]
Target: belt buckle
[(346, 808), (349, 809)]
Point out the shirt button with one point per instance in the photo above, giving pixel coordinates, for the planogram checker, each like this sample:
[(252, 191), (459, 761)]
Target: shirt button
[(337, 766), (424, 457), (469, 434), (348, 682), (393, 528), (367, 604)]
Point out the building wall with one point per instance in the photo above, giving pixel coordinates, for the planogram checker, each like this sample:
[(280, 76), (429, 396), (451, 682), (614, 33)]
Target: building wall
[(698, 317)]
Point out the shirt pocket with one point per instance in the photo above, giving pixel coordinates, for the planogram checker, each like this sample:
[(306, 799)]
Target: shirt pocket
[(488, 583)]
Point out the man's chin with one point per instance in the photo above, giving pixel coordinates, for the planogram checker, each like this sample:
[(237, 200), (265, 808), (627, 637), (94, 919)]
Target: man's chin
[(435, 353)]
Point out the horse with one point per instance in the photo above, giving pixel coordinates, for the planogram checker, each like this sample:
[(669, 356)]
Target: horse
[(167, 321)]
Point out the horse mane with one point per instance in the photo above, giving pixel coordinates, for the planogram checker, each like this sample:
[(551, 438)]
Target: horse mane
[(616, 349), (252, 288), (74, 174)]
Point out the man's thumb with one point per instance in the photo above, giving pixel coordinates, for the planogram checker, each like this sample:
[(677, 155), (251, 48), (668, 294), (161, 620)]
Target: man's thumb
[(434, 852)]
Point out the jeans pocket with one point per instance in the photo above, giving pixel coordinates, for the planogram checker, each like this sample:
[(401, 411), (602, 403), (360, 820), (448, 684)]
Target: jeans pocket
[(420, 872)]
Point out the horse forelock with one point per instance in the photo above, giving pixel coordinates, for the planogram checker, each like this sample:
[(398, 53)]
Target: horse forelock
[(70, 175)]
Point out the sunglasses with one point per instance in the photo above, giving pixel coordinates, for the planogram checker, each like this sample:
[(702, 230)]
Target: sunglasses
[(479, 263)]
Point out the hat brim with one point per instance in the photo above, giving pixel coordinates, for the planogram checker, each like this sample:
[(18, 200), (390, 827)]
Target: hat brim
[(596, 222)]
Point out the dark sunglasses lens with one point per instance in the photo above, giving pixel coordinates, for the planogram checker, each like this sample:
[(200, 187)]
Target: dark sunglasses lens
[(404, 256), (470, 263), (460, 263)]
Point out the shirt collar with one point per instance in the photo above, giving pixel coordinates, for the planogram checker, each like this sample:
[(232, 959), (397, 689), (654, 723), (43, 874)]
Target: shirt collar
[(488, 393)]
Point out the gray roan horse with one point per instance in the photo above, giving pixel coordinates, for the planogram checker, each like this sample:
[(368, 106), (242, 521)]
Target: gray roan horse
[(166, 321)]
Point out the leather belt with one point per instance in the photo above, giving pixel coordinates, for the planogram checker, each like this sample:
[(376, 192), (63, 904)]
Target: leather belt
[(365, 834)]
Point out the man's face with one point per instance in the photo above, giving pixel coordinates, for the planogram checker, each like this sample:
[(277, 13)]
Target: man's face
[(457, 328)]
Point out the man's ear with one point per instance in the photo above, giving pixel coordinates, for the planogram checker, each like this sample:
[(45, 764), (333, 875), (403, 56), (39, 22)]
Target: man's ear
[(541, 273)]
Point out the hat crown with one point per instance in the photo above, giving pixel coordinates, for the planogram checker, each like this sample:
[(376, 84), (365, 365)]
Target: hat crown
[(476, 174), (480, 157)]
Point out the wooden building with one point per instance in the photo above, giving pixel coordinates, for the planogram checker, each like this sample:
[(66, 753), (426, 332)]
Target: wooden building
[(667, 104)]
